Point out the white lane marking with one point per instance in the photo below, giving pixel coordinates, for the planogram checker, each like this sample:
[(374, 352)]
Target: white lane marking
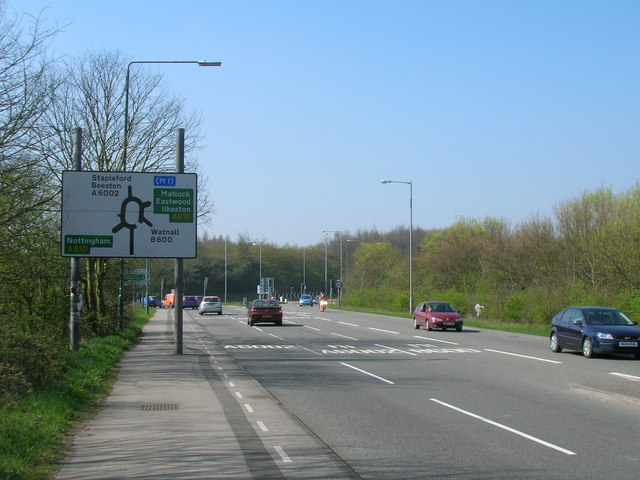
[(350, 324), (395, 349), (238, 394), (325, 319), (276, 336), (343, 336), (232, 385), (309, 350), (368, 373), (435, 340), (312, 328), (283, 454), (289, 321), (262, 426), (522, 356), (248, 407), (385, 331), (626, 376), (259, 329), (504, 427)]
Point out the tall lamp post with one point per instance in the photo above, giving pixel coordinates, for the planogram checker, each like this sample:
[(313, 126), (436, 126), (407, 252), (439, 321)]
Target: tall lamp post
[(260, 268), (339, 233), (225, 266), (201, 63), (410, 238), (325, 264), (303, 287)]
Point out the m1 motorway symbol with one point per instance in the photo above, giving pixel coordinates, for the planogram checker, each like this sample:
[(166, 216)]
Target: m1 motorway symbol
[(158, 211)]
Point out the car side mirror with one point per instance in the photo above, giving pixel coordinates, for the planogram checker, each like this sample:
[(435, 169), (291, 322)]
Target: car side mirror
[(578, 322)]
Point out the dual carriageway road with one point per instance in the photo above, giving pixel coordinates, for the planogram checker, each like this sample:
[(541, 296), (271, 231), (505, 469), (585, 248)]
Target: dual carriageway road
[(397, 403)]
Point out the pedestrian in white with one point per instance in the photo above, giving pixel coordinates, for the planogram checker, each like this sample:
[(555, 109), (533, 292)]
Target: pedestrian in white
[(478, 308)]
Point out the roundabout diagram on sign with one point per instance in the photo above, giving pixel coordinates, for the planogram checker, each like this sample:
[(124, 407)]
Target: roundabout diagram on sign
[(123, 217)]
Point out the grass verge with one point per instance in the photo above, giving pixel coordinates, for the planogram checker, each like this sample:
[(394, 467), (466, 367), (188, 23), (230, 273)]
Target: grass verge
[(34, 428)]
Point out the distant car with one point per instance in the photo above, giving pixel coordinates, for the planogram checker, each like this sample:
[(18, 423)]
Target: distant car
[(437, 315), (210, 305), (594, 330), (305, 300), (169, 300), (189, 301), (154, 302), (264, 311)]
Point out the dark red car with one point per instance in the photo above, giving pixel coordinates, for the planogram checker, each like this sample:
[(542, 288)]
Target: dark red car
[(437, 315), (264, 311)]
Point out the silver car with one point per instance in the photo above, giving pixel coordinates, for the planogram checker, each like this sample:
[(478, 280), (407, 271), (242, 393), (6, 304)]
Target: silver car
[(210, 305)]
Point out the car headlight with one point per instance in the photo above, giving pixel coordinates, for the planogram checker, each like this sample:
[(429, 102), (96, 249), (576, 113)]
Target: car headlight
[(604, 336)]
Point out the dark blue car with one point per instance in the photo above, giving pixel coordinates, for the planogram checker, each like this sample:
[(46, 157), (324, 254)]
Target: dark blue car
[(594, 330)]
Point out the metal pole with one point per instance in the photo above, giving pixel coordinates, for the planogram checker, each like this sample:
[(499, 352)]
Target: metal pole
[(225, 269), (179, 262), (325, 264), (146, 284), (341, 279), (411, 247), (410, 238), (75, 292)]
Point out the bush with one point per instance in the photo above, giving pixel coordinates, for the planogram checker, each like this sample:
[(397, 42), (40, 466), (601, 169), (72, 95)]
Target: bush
[(30, 357)]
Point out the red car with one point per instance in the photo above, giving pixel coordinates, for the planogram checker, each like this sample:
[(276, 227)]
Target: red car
[(437, 315), (264, 311)]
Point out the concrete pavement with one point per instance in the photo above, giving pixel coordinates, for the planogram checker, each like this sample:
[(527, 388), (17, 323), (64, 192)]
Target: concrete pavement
[(198, 415)]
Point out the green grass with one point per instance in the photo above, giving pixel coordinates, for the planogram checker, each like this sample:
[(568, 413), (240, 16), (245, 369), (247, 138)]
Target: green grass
[(34, 428)]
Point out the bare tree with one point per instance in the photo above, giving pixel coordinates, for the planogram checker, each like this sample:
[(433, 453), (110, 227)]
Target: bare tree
[(26, 225), (92, 97)]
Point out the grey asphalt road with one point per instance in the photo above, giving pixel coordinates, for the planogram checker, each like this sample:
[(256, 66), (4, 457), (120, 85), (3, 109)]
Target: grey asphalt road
[(398, 403)]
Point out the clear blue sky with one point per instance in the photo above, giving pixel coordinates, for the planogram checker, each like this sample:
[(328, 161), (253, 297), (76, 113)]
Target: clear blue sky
[(491, 108)]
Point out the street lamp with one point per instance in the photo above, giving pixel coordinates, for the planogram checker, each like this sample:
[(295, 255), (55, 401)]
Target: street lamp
[(410, 238), (201, 63), (260, 270), (325, 264), (341, 279), (303, 287), (225, 266)]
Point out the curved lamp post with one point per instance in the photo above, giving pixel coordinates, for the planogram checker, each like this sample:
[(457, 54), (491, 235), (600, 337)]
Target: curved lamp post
[(410, 238), (341, 279), (225, 266), (201, 63), (260, 269)]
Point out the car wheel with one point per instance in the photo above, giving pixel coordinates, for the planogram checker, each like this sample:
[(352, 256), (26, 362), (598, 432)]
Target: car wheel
[(458, 329), (415, 323), (220, 312), (554, 344), (201, 313), (587, 347), (428, 325), (637, 355)]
